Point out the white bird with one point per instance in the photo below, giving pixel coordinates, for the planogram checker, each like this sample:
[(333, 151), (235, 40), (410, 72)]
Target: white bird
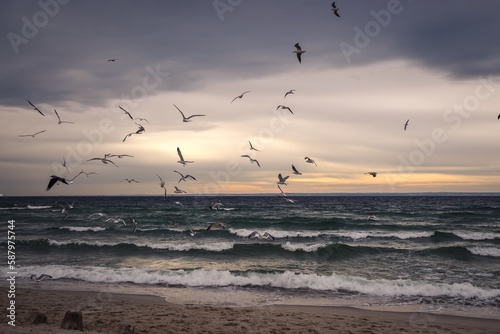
[(251, 146), (299, 52), (335, 9), (63, 210), (182, 161), (257, 235), (116, 221), (284, 107), (187, 119), (374, 174), (184, 177), (289, 92), (282, 180), (162, 185), (178, 191), (310, 161), (251, 159), (240, 96), (216, 206), (34, 107), (33, 135), (295, 171), (59, 118), (39, 278), (97, 215), (134, 223)]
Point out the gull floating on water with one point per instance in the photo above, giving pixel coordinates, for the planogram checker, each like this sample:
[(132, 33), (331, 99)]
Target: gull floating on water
[(289, 92), (182, 161), (34, 107), (284, 107), (162, 185), (335, 9), (282, 180), (295, 171), (257, 235), (59, 118), (178, 191), (310, 161), (54, 179), (184, 177), (39, 278), (240, 96), (33, 135), (187, 119), (406, 124), (374, 174), (251, 159), (251, 146), (299, 52), (130, 181)]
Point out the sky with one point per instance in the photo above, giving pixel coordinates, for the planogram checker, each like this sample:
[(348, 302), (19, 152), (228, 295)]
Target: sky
[(362, 77)]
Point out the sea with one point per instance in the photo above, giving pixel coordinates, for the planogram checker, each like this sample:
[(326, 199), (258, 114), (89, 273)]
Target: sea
[(417, 252)]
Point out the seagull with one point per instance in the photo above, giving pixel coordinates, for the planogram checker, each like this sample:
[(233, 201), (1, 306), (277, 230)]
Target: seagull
[(213, 226), (178, 191), (182, 161), (282, 192), (39, 278), (130, 181), (374, 174), (250, 158), (33, 135), (498, 116), (97, 215), (64, 164), (134, 223), (289, 92), (138, 132), (119, 156), (70, 206), (184, 118), (284, 107), (126, 112), (251, 146), (335, 9), (282, 180), (63, 211), (310, 161), (257, 235), (162, 185), (116, 221), (406, 124), (59, 118), (216, 206), (240, 96), (34, 107), (142, 119), (299, 52), (295, 171), (184, 177), (104, 161), (54, 179), (82, 172), (113, 59)]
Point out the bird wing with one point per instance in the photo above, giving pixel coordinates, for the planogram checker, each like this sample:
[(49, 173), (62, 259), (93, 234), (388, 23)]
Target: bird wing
[(52, 181), (285, 178), (246, 156), (180, 154), (183, 117), (59, 118), (194, 116), (294, 169), (299, 57), (297, 46), (126, 112), (257, 162)]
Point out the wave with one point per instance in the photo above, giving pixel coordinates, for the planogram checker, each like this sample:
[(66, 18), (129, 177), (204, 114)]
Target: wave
[(278, 234), (484, 251), (284, 280), (470, 235), (36, 207), (356, 235), (14, 208), (82, 228)]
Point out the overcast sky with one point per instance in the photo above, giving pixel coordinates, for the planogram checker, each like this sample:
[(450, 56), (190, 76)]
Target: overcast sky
[(363, 75)]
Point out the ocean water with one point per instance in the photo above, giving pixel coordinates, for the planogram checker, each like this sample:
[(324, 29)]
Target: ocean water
[(429, 252)]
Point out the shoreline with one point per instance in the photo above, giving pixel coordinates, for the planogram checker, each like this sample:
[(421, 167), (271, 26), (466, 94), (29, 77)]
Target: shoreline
[(104, 312)]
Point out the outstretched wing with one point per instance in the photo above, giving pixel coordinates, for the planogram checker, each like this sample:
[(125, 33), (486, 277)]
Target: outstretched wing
[(180, 154)]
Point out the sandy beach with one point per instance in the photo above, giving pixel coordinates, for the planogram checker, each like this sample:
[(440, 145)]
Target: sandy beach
[(104, 313)]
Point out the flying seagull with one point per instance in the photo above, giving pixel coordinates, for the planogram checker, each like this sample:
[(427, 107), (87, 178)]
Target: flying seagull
[(113, 59), (82, 172), (64, 164), (33, 135), (310, 161), (251, 146), (295, 171), (282, 180), (34, 107), (126, 112), (63, 210), (134, 224), (39, 278), (216, 206), (116, 221), (335, 9), (142, 119), (59, 118), (184, 177), (289, 92), (54, 179), (374, 174), (240, 96), (130, 181), (178, 191), (119, 156), (104, 161), (138, 132), (187, 119), (284, 107), (257, 235), (250, 158), (162, 185), (406, 124), (182, 161), (299, 52)]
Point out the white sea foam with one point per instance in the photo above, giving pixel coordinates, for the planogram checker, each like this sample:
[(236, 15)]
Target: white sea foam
[(82, 228), (356, 235), (14, 208), (485, 251), (470, 235), (35, 207), (278, 234), (304, 247)]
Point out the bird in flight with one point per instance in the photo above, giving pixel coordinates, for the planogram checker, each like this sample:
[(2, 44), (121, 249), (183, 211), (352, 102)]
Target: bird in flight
[(282, 180), (289, 92), (59, 118), (213, 226), (299, 52), (162, 185), (113, 59), (119, 156), (126, 112), (33, 135), (240, 96), (55, 179), (406, 124), (295, 171), (310, 161), (182, 161), (251, 146), (130, 181), (134, 224), (137, 132), (104, 161), (178, 191), (142, 119), (250, 158), (335, 9), (184, 118), (64, 164), (34, 107), (39, 278), (184, 177), (257, 235), (82, 172), (284, 107), (374, 174)]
